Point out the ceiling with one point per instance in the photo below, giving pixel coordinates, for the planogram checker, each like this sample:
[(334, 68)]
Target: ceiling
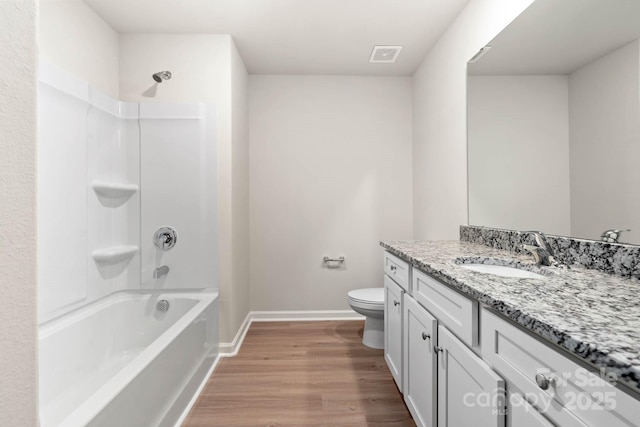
[(333, 37), (554, 37)]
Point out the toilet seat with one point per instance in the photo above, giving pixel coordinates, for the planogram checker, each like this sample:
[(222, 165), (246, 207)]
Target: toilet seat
[(368, 298)]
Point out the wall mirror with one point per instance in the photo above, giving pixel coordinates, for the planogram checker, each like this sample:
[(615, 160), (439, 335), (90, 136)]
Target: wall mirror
[(554, 121)]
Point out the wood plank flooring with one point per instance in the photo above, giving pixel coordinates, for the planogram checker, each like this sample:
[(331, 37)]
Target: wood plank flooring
[(302, 374)]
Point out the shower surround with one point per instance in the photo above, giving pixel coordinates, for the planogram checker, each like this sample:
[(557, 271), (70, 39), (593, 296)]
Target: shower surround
[(109, 174)]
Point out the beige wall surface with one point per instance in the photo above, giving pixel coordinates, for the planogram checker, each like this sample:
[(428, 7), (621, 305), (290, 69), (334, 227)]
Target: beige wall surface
[(518, 143), (74, 38), (18, 318), (238, 307), (439, 118), (604, 107), (330, 176)]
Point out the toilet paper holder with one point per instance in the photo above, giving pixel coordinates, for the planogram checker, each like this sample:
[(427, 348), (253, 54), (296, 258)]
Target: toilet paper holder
[(332, 261)]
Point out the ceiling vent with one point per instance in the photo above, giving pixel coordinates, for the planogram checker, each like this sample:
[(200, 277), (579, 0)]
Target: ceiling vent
[(386, 54)]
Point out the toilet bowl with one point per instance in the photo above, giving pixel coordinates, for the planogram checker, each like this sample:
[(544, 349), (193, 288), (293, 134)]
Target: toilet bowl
[(370, 303)]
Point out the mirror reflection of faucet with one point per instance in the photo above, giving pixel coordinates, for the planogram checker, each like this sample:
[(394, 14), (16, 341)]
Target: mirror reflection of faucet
[(160, 271), (611, 236)]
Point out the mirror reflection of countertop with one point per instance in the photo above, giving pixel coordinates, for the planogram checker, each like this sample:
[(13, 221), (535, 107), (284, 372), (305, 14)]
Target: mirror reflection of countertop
[(593, 315)]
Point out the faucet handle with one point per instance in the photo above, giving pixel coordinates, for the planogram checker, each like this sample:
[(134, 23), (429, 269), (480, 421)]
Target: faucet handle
[(165, 238)]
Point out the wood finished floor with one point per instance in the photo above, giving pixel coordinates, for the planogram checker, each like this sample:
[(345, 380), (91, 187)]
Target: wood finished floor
[(302, 374)]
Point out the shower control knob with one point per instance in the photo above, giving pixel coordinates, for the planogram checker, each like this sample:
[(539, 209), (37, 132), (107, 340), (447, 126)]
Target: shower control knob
[(165, 238)]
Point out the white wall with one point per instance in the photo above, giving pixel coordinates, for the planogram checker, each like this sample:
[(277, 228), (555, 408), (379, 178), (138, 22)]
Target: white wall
[(605, 128), (518, 144), (239, 191), (206, 69), (330, 175), (18, 323), (439, 118), (73, 37)]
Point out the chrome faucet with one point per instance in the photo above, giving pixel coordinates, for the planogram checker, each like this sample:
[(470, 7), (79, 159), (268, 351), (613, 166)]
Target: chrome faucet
[(160, 271), (611, 236), (542, 252)]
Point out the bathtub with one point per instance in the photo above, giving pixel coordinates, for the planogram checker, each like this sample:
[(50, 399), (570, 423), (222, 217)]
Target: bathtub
[(122, 362)]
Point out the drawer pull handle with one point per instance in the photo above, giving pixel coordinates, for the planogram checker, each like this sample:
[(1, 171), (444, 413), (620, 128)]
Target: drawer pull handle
[(425, 336), (393, 268), (438, 349), (395, 303), (544, 382)]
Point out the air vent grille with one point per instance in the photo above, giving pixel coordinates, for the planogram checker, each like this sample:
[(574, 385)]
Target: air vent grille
[(385, 54)]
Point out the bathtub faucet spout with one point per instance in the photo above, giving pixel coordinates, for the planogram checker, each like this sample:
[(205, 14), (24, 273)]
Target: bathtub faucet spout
[(160, 271)]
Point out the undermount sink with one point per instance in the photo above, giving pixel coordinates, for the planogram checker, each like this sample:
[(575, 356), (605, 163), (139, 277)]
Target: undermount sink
[(502, 270), (497, 268)]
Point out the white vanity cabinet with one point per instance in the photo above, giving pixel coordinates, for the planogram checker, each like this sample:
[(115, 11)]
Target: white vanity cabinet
[(566, 393), (420, 363), (393, 302), (459, 364), (445, 383), (469, 392), (397, 281)]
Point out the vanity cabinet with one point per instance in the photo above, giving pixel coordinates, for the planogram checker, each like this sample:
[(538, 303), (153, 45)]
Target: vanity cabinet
[(469, 392), (445, 382), (465, 364), (398, 270), (456, 311), (561, 389), (393, 300), (397, 282), (420, 363)]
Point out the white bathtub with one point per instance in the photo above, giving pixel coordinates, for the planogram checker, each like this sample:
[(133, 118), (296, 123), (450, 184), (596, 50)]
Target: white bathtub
[(121, 362)]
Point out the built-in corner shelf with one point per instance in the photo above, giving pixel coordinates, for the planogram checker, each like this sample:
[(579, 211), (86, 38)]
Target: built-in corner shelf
[(114, 254), (114, 190)]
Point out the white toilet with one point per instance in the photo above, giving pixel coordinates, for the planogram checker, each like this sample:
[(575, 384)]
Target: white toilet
[(370, 303)]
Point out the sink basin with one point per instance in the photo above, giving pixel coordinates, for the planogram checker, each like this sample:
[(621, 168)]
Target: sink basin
[(501, 270)]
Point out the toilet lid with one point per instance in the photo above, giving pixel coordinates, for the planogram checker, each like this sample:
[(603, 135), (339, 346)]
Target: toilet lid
[(375, 295)]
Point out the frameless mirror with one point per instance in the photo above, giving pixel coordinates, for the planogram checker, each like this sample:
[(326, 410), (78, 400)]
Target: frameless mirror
[(554, 121)]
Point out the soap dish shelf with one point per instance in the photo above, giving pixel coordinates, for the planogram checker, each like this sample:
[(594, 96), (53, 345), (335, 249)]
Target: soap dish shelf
[(114, 190), (114, 254)]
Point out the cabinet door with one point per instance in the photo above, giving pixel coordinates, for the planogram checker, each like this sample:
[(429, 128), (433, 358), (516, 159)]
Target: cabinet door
[(393, 329), (469, 392), (420, 363)]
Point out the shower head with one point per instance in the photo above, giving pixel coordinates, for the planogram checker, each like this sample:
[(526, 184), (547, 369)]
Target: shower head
[(162, 75)]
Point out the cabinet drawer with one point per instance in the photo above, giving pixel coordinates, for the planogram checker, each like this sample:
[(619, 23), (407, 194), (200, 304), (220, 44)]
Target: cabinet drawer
[(519, 357), (457, 312), (397, 269)]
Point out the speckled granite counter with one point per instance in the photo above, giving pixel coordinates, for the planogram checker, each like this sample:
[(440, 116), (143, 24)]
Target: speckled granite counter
[(593, 315)]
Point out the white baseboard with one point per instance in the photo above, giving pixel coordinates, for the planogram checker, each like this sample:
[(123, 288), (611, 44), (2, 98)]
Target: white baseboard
[(309, 315), (231, 349)]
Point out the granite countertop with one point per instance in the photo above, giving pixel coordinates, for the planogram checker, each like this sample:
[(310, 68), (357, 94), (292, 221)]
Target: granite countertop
[(593, 315)]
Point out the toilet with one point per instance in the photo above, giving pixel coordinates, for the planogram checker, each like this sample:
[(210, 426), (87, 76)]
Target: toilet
[(370, 303)]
